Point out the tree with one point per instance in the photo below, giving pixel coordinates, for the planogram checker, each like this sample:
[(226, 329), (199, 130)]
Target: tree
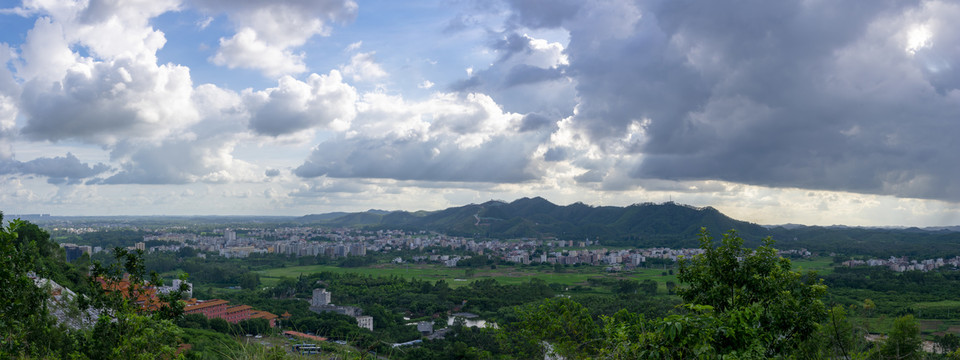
[(649, 287), (837, 338), (254, 326), (133, 330), (671, 287), (250, 280), (220, 325), (557, 325), (626, 286), (23, 308), (731, 278), (947, 343), (903, 341)]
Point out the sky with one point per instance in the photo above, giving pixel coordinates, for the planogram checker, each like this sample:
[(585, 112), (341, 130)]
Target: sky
[(795, 111)]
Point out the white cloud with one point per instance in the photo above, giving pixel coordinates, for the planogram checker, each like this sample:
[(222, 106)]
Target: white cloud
[(109, 29), (102, 102), (363, 67), (205, 22), (269, 31), (292, 106), (245, 50), (353, 46), (426, 84), (445, 138)]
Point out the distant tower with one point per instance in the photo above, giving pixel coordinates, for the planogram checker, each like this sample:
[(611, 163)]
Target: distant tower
[(230, 237), (365, 322), (320, 297)]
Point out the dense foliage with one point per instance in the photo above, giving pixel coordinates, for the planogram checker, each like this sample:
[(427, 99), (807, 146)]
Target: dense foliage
[(122, 330), (732, 302)]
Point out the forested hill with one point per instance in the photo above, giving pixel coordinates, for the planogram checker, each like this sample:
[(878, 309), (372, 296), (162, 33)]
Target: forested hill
[(639, 224)]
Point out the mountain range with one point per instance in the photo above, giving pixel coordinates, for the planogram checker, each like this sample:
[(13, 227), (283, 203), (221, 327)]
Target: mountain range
[(648, 224)]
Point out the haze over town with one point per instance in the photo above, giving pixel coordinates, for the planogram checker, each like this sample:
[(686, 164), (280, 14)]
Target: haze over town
[(772, 112)]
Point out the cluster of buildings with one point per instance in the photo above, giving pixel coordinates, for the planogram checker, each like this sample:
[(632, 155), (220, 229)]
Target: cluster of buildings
[(74, 251), (901, 264), (342, 242), (320, 303)]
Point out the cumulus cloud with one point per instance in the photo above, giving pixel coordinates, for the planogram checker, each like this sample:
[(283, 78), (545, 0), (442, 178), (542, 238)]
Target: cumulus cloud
[(819, 95), (267, 32), (108, 29), (174, 161), (202, 152), (102, 102), (159, 128), (118, 91), (246, 50), (292, 106), (467, 139)]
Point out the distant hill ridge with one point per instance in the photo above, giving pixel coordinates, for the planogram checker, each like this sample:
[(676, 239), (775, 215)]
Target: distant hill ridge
[(639, 224)]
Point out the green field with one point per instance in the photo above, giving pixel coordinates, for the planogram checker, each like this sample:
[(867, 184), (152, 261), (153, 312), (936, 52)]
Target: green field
[(822, 265), (459, 276), (453, 276), (506, 274)]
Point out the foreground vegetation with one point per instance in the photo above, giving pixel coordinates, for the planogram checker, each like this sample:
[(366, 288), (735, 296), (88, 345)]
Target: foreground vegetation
[(729, 302)]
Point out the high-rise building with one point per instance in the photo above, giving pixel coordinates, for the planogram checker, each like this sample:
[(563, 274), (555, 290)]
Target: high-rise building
[(358, 249), (320, 297), (230, 236), (365, 322)]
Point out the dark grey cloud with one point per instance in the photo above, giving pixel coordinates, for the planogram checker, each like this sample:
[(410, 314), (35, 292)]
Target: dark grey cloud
[(526, 74), (498, 160), (556, 154), (819, 95), (272, 172), (591, 176), (459, 23), (467, 84), (58, 170), (544, 13), (533, 122)]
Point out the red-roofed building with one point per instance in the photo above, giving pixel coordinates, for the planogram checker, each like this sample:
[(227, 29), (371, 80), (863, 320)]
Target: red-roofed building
[(220, 309)]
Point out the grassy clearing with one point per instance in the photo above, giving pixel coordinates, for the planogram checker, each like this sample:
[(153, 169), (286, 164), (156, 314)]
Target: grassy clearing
[(822, 265), (928, 327), (938, 304)]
